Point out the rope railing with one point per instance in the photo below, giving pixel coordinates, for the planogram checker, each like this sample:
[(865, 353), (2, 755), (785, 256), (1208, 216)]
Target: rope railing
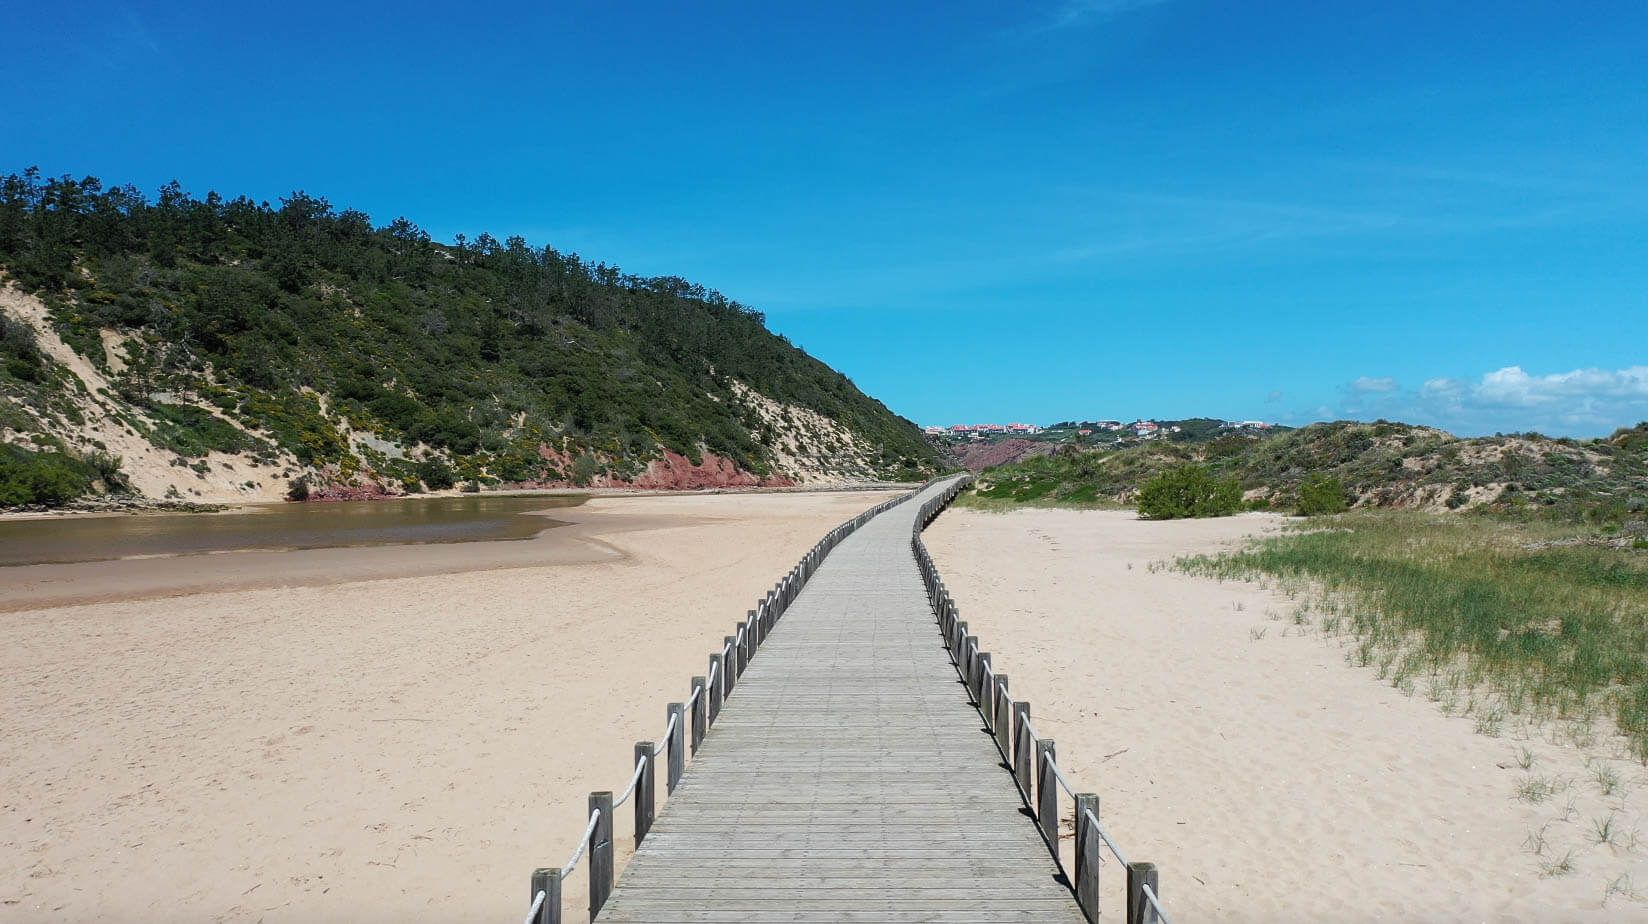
[(703, 707), (537, 903), (1150, 896), (634, 780), (1104, 835), (583, 842), (1058, 774), (1031, 758)]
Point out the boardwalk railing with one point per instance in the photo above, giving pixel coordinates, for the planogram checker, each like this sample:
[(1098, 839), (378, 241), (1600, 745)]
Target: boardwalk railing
[(703, 707), (1031, 757)]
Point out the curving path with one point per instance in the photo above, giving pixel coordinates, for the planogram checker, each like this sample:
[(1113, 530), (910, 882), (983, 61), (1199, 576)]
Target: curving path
[(848, 778)]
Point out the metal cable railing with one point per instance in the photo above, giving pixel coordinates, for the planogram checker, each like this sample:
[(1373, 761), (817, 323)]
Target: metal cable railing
[(1032, 758), (702, 706)]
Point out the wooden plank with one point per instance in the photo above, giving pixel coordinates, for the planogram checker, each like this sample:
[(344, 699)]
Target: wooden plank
[(849, 779)]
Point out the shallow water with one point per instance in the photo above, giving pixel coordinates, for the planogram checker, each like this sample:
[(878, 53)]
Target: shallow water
[(280, 526)]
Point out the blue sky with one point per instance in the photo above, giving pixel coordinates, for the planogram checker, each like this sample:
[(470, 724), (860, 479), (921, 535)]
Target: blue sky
[(980, 211)]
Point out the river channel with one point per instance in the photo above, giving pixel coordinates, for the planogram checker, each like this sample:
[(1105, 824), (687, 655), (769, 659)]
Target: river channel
[(409, 521)]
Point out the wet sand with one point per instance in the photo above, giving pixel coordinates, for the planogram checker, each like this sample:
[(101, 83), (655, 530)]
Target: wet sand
[(1267, 778), (395, 733), (570, 535)]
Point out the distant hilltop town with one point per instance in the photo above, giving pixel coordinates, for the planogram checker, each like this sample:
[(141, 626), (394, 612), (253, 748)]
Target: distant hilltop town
[(982, 429), (1077, 431)]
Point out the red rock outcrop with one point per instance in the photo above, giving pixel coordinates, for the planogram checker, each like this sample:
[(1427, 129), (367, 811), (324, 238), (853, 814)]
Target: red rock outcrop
[(674, 472)]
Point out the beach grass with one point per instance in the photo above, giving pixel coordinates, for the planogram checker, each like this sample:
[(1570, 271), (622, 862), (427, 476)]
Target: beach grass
[(1529, 615)]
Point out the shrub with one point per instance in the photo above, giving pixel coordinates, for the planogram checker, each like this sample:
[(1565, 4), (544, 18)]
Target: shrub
[(1321, 496), (436, 474), (297, 489), (1188, 491), (50, 478)]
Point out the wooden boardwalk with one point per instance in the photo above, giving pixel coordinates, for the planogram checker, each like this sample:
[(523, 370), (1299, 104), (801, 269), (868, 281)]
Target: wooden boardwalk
[(847, 778)]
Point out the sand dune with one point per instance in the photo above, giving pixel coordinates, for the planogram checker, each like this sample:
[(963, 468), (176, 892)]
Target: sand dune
[(1269, 780)]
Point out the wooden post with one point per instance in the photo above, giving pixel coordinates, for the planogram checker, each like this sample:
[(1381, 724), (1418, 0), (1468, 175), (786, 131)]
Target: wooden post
[(700, 709), (983, 682), (758, 619), (960, 643), (969, 658), (1047, 792), (677, 740), (1087, 856), (1138, 907), (1021, 748), (729, 664), (741, 635), (718, 672), (1003, 720), (752, 637), (600, 852), (646, 807), (547, 881)]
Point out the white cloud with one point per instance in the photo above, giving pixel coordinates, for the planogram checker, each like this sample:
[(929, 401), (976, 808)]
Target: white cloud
[(1582, 402), (1513, 387)]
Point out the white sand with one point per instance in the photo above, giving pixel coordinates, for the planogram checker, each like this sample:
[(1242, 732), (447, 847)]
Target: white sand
[(1267, 778), (404, 748)]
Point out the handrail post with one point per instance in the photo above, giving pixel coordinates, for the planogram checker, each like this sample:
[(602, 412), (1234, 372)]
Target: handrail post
[(1021, 748), (1002, 721), (985, 691), (1138, 907), (752, 636), (970, 653), (1087, 856), (718, 672), (729, 663), (758, 619), (547, 881), (1047, 793), (600, 852), (700, 707), (741, 642), (677, 739), (645, 805)]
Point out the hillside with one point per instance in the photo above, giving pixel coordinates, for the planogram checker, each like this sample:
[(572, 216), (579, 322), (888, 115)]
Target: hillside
[(1381, 464), (220, 350)]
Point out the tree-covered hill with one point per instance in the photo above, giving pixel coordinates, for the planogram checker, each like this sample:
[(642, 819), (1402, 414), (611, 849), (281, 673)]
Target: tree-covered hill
[(302, 338)]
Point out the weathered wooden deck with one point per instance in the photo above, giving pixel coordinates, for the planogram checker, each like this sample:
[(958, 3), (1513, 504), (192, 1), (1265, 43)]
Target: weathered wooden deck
[(847, 778)]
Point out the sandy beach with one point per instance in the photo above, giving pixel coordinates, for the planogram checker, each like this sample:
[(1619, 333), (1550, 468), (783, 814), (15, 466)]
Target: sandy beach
[(1267, 778), (359, 734)]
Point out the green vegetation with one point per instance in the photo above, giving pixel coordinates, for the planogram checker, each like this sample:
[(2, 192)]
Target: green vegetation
[(1043, 481), (295, 318), (1188, 491), (1379, 464), (20, 356), (52, 478), (1491, 612), (1320, 495), (192, 432)]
